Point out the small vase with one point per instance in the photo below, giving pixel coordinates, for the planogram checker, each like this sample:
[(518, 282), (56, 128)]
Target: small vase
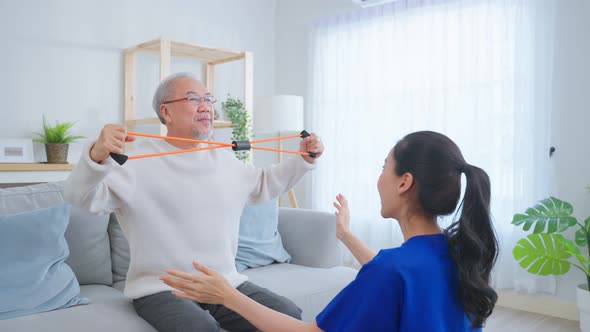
[(583, 299), (57, 153)]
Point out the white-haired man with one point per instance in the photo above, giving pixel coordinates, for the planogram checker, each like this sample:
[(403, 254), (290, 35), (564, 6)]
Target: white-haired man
[(182, 207)]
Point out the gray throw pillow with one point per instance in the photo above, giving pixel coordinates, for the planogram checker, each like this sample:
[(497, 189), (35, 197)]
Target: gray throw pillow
[(86, 234), (119, 250), (90, 249)]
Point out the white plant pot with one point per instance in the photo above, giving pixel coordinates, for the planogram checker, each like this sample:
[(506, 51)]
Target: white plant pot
[(583, 299)]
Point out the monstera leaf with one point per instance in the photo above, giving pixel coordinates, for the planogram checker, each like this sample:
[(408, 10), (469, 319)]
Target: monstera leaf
[(581, 234), (544, 254), (551, 215)]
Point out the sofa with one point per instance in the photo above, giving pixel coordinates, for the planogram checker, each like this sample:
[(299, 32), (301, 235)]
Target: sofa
[(99, 257)]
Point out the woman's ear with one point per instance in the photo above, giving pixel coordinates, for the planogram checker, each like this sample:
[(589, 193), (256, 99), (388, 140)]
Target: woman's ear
[(406, 183)]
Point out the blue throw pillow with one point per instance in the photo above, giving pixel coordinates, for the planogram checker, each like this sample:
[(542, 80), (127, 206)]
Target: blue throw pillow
[(33, 274), (260, 242)]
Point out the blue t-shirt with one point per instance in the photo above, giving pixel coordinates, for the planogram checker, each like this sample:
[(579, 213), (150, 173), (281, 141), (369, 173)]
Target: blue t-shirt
[(411, 288)]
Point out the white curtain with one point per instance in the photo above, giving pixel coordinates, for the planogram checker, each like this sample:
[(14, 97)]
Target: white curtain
[(479, 71)]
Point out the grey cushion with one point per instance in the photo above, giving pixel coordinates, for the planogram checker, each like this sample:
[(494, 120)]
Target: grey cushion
[(119, 250), (310, 288), (109, 311), (28, 198), (310, 237), (90, 250), (86, 234)]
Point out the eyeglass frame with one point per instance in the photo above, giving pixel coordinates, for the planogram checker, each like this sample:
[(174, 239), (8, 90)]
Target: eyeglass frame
[(198, 99)]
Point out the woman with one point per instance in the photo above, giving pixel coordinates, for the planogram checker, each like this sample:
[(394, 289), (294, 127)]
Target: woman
[(438, 280)]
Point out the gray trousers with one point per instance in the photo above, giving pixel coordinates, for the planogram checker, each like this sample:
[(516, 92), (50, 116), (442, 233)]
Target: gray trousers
[(169, 313)]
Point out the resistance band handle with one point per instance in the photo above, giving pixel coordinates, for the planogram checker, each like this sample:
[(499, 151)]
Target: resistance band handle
[(305, 134), (119, 158), (240, 145)]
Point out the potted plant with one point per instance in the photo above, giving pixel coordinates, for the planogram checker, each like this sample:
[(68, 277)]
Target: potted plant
[(547, 252), (57, 139), (241, 124)]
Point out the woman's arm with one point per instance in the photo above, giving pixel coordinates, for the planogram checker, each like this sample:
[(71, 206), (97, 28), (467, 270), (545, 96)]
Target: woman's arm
[(211, 287), (358, 248)]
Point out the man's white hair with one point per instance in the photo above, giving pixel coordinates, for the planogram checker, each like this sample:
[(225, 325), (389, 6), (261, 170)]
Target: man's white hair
[(165, 91)]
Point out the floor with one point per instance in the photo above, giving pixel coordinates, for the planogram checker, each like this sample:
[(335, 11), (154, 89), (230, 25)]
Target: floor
[(510, 320)]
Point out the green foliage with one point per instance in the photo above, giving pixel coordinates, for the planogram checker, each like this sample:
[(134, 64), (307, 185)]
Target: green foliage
[(241, 130), (545, 252), (60, 133)]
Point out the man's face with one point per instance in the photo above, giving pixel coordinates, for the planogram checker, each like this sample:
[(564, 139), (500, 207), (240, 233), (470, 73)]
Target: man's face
[(189, 118)]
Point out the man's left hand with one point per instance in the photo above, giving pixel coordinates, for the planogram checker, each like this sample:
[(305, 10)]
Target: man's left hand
[(312, 143)]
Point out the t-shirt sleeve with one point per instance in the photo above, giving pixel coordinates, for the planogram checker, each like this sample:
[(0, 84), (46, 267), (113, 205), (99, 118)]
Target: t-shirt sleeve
[(371, 302)]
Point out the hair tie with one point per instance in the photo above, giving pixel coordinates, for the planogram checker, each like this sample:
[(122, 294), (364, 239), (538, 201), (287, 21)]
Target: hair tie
[(464, 168)]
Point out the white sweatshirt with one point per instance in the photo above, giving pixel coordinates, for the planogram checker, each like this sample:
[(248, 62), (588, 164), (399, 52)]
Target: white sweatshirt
[(178, 208)]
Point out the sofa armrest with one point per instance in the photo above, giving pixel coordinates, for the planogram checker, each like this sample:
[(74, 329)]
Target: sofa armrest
[(310, 237)]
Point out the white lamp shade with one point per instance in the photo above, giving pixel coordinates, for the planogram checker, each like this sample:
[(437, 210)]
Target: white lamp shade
[(278, 113)]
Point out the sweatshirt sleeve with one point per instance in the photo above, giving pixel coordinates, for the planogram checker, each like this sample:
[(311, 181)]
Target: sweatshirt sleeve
[(274, 180), (99, 188)]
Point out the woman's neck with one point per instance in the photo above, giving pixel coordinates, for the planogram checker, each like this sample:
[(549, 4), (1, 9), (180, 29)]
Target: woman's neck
[(418, 224)]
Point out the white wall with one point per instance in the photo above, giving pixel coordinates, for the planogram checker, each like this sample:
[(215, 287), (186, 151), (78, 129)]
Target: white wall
[(64, 58), (571, 93), (293, 22)]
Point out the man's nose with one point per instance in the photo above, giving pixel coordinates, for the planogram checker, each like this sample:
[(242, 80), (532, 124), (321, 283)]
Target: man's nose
[(204, 108)]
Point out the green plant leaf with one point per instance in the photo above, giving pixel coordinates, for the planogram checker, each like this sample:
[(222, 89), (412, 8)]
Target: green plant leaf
[(581, 234), (241, 124), (60, 133), (550, 215), (544, 254)]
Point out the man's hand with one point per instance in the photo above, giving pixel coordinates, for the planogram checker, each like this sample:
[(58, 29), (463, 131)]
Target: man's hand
[(112, 139), (342, 217), (312, 143)]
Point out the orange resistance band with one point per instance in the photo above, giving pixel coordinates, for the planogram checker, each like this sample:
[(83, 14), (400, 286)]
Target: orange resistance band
[(121, 159)]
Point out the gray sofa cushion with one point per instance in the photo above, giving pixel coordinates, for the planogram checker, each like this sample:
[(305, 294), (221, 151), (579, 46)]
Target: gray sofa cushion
[(310, 288), (109, 311), (119, 250), (90, 249), (86, 234), (28, 198)]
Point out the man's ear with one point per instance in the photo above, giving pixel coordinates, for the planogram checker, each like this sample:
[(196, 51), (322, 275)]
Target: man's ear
[(406, 183), (165, 113)]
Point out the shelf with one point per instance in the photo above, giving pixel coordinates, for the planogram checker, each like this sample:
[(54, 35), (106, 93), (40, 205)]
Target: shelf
[(183, 49), (155, 120), (36, 167)]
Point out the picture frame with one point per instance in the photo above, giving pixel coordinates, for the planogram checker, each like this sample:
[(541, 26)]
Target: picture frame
[(14, 150)]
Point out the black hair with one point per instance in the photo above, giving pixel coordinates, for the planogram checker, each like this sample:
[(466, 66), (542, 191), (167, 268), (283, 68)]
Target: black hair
[(436, 163)]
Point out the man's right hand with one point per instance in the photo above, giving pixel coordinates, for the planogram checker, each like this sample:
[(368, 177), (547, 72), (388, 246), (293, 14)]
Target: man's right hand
[(112, 139)]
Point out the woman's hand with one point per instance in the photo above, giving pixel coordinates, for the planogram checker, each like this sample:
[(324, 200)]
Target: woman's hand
[(342, 217), (209, 287)]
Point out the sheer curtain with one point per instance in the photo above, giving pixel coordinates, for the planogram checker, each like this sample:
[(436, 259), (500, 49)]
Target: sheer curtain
[(479, 71)]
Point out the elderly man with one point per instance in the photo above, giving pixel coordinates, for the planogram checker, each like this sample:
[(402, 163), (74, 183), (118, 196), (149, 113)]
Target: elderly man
[(182, 207)]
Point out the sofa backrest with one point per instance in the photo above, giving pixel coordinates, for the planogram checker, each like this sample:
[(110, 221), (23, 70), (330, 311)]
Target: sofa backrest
[(87, 237)]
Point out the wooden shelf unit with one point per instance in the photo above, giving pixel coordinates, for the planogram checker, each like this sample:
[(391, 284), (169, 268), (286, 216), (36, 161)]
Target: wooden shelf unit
[(34, 167), (167, 49)]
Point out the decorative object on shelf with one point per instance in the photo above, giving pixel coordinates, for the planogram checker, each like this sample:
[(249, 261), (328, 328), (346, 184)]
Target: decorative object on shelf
[(16, 151), (234, 111), (280, 113), (57, 139), (546, 252)]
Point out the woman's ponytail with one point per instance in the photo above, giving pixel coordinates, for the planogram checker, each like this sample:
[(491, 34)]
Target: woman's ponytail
[(474, 247)]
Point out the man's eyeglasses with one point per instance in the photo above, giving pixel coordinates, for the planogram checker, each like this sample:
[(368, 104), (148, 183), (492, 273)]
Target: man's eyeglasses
[(209, 99)]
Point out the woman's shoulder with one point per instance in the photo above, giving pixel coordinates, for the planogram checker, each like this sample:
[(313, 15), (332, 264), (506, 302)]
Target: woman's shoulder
[(412, 254)]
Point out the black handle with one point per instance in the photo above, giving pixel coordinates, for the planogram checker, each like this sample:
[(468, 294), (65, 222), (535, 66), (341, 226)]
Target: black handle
[(305, 134), (119, 158)]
